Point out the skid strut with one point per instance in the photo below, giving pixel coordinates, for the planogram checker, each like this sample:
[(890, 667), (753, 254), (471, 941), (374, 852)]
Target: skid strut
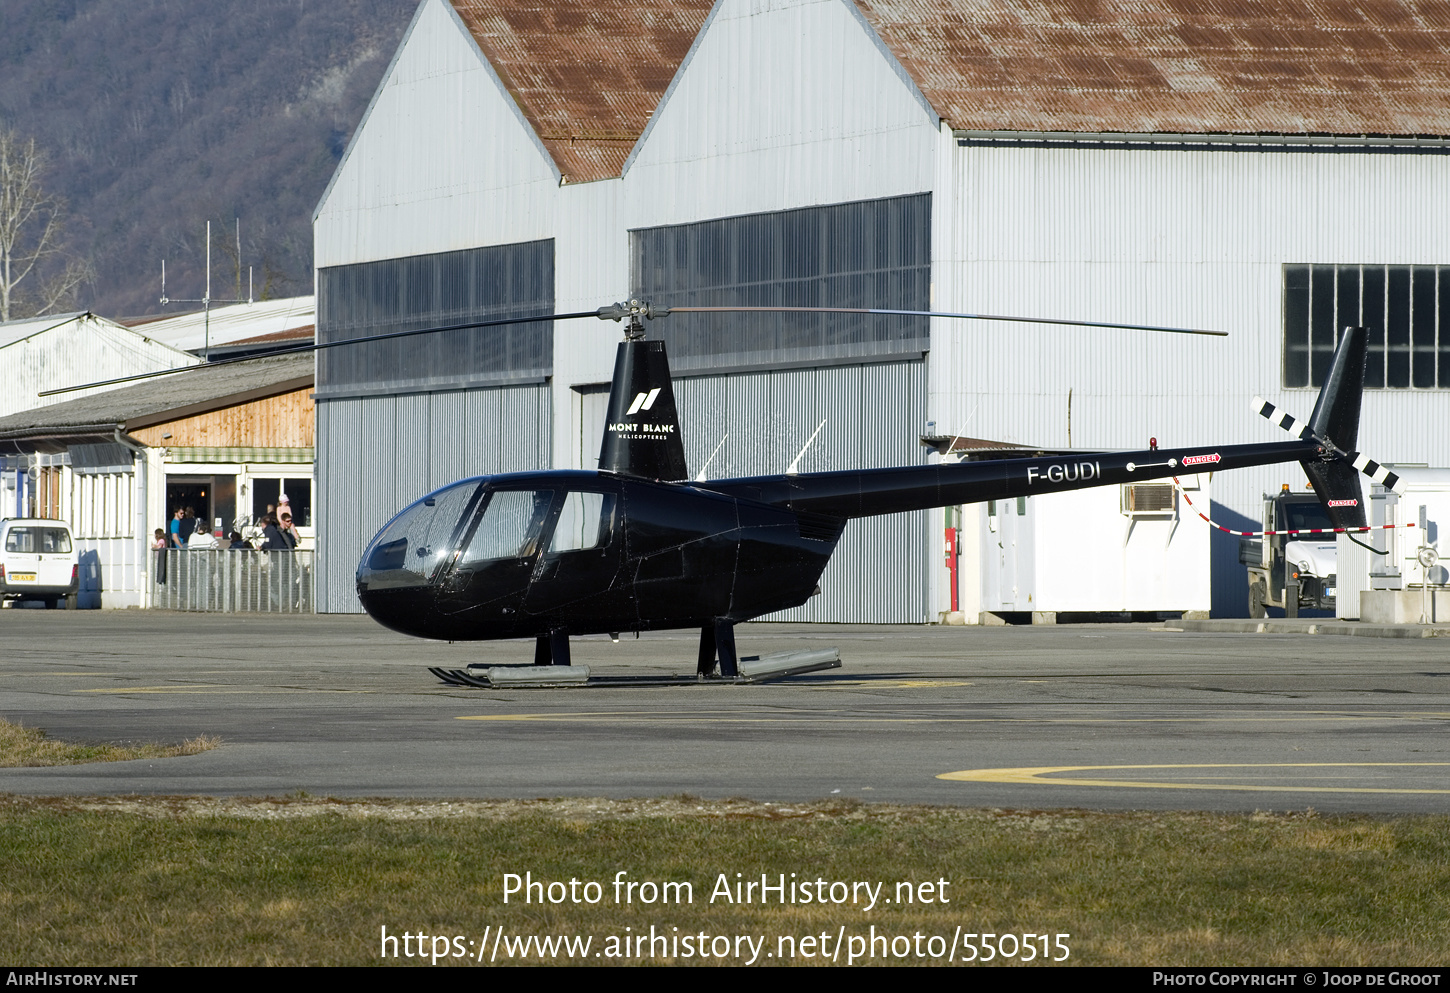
[(552, 648), (718, 640)]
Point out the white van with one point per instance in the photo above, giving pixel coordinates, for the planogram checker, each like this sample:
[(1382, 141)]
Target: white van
[(38, 561)]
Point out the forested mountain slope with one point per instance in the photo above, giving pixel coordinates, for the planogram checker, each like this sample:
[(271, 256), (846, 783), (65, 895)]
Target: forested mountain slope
[(159, 116)]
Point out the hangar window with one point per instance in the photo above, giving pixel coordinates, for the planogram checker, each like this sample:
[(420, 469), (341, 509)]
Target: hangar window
[(450, 288), (1407, 311), (869, 254)]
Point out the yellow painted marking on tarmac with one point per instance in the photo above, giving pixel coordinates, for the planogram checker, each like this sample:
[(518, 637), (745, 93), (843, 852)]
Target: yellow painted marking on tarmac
[(1039, 776), (216, 690), (41, 671)]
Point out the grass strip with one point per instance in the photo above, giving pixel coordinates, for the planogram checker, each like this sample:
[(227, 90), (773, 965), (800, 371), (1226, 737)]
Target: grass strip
[(23, 746), (297, 880)]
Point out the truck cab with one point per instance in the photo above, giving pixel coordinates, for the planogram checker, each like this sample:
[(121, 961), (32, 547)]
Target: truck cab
[(1275, 560)]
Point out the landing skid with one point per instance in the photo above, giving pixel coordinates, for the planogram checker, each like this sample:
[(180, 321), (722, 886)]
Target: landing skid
[(753, 669)]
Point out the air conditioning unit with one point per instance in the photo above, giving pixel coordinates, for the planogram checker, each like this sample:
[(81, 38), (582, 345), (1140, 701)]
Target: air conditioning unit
[(1149, 500)]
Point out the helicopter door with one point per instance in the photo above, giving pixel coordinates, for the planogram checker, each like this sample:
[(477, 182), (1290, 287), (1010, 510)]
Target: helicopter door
[(581, 560), (497, 559)]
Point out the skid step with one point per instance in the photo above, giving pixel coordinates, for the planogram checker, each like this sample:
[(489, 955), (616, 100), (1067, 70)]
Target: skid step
[(753, 669)]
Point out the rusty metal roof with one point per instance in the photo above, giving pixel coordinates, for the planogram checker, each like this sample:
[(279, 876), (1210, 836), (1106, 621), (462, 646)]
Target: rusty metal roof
[(586, 75), (1339, 67)]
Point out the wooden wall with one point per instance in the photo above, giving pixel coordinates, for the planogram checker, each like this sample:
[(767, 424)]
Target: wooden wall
[(283, 421)]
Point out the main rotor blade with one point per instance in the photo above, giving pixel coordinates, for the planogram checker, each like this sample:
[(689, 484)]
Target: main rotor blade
[(938, 313), (294, 349), (615, 313)]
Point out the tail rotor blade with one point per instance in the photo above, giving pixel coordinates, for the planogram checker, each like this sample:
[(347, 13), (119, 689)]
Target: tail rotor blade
[(1376, 472), (1281, 418), (1303, 432)]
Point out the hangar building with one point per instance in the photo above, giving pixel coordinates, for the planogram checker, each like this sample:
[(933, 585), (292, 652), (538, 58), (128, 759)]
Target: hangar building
[(1223, 167)]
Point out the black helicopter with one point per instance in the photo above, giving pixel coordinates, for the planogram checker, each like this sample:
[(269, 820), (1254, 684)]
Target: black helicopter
[(637, 546)]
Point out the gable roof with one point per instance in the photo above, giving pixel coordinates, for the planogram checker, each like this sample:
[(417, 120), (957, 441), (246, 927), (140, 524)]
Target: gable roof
[(190, 391), (1178, 66), (587, 76)]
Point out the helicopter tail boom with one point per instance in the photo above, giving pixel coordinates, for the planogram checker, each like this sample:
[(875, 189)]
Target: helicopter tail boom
[(1324, 448)]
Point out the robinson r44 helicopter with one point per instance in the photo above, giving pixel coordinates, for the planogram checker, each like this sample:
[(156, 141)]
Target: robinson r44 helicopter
[(638, 546)]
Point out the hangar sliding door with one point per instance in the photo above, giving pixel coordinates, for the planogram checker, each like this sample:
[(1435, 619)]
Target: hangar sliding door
[(753, 388), (400, 417)]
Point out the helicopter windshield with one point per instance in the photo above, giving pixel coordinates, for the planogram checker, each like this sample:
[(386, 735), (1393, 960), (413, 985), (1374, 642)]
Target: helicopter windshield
[(418, 545), (419, 541)]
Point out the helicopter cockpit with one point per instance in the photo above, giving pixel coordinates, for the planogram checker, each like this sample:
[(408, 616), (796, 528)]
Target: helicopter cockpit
[(477, 524)]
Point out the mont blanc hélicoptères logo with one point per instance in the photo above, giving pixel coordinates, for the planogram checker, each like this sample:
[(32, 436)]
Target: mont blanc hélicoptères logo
[(642, 402)]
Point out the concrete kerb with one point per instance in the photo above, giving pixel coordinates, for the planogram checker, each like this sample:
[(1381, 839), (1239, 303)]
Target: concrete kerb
[(1279, 625)]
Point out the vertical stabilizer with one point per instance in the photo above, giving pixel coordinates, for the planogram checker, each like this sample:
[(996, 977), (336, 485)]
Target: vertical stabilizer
[(1336, 413), (642, 431), (1336, 420)]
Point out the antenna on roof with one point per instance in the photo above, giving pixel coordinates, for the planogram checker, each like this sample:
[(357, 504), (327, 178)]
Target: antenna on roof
[(206, 300)]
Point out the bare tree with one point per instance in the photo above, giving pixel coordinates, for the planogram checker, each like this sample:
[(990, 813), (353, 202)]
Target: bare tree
[(31, 243)]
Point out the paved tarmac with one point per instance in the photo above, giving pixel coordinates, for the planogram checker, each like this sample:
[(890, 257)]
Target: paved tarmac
[(1098, 716)]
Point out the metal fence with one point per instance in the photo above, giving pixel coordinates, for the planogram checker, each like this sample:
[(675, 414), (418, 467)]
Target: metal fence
[(236, 581)]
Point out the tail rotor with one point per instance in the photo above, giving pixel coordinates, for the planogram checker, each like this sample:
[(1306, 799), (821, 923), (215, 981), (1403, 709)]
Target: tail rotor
[(1334, 428)]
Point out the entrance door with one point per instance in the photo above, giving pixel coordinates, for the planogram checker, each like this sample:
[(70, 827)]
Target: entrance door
[(194, 492)]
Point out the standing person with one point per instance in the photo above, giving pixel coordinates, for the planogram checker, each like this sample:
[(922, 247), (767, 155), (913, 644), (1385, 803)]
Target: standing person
[(176, 541), (272, 537), (159, 545), (274, 540), (289, 531), (188, 525)]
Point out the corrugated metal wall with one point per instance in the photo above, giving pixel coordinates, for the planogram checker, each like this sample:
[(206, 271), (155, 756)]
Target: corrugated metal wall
[(382, 453), (874, 415), (1187, 238), (442, 161), (781, 105)]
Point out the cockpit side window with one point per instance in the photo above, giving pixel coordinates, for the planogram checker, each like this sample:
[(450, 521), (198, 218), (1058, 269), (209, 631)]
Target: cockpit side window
[(585, 522), (509, 528)]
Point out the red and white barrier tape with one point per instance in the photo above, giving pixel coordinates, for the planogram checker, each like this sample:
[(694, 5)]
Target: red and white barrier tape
[(1260, 534)]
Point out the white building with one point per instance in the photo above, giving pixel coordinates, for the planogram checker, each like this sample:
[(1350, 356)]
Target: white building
[(225, 440), (225, 330), (62, 350), (1139, 164)]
